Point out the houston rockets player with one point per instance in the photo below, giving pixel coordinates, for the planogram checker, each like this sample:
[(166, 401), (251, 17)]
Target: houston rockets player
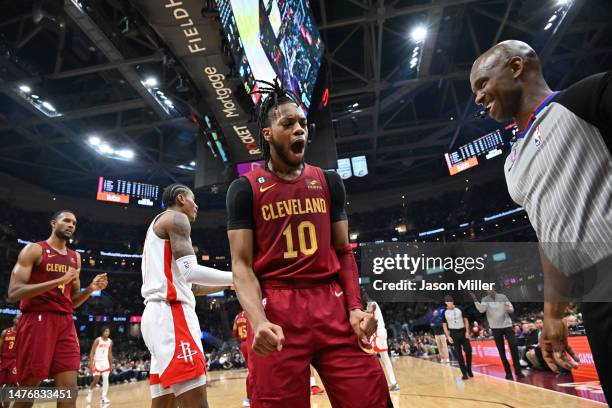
[(295, 273), (241, 331), (379, 342), (8, 365), (46, 281), (100, 363), (170, 326)]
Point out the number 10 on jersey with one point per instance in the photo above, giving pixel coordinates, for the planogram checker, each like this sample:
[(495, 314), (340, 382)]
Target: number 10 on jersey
[(303, 228)]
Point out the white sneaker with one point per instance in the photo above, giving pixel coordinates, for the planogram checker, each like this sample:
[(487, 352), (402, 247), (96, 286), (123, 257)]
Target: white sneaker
[(246, 402), (104, 400), (88, 397)]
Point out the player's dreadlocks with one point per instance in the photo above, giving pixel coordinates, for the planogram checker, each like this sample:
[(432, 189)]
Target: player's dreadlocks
[(273, 95)]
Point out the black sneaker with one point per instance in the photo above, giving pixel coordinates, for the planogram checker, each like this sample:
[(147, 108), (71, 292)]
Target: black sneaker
[(520, 374), (509, 376), (470, 373), (465, 377)]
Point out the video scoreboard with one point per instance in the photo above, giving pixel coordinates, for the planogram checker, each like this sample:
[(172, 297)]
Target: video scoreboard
[(490, 145), (128, 192)]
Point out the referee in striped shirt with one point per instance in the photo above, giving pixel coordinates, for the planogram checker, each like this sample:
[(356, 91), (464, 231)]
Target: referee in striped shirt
[(560, 172), (456, 329)]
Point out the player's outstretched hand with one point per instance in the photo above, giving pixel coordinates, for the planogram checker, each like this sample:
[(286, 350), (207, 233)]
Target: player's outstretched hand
[(364, 324), (99, 282), (268, 338), (556, 350)]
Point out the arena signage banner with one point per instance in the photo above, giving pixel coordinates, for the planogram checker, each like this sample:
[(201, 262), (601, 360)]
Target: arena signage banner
[(195, 41)]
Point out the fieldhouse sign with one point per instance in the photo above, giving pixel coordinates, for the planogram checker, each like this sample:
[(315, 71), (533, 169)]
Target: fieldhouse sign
[(196, 43)]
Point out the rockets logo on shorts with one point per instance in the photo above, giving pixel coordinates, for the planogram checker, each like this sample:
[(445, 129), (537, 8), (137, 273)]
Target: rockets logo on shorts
[(186, 352)]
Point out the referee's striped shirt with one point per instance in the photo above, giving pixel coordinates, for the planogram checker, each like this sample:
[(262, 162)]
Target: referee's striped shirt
[(560, 172)]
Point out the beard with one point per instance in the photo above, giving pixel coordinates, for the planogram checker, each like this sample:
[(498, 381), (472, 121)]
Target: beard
[(283, 155), (62, 235)]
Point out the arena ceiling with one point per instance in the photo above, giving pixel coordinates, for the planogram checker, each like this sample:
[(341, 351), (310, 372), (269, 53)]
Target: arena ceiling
[(402, 120)]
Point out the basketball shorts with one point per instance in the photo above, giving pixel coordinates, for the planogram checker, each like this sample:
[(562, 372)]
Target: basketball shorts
[(315, 324), (379, 341), (8, 373), (171, 332), (101, 366), (244, 349), (47, 344)]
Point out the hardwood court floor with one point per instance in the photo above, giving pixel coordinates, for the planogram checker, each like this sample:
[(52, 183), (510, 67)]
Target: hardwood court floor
[(423, 384)]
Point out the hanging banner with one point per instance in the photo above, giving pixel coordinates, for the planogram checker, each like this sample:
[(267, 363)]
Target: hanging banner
[(195, 41)]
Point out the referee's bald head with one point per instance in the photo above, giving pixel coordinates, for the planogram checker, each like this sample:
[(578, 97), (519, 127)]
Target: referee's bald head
[(500, 76)]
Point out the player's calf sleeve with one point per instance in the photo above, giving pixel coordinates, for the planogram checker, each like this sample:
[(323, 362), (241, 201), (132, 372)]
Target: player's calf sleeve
[(386, 361), (349, 277), (105, 384), (202, 275)]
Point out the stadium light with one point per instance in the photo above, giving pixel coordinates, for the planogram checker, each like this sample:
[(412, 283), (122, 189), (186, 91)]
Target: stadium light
[(150, 82), (192, 163), (106, 149), (547, 26), (25, 88), (125, 153), (563, 2), (48, 106), (418, 34), (94, 140)]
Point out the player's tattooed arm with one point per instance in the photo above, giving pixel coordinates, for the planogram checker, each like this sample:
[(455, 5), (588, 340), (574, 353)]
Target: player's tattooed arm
[(19, 288), (179, 232), (201, 290)]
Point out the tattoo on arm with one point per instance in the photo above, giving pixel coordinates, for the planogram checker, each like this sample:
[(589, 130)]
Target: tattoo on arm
[(201, 290), (179, 232)]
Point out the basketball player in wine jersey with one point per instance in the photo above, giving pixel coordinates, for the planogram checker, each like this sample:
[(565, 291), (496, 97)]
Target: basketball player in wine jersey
[(46, 281), (295, 273), (241, 331), (100, 363), (170, 326), (8, 364)]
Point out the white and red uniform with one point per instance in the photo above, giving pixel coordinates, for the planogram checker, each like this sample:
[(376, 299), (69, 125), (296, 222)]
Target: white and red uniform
[(170, 326), (100, 361), (379, 339)]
